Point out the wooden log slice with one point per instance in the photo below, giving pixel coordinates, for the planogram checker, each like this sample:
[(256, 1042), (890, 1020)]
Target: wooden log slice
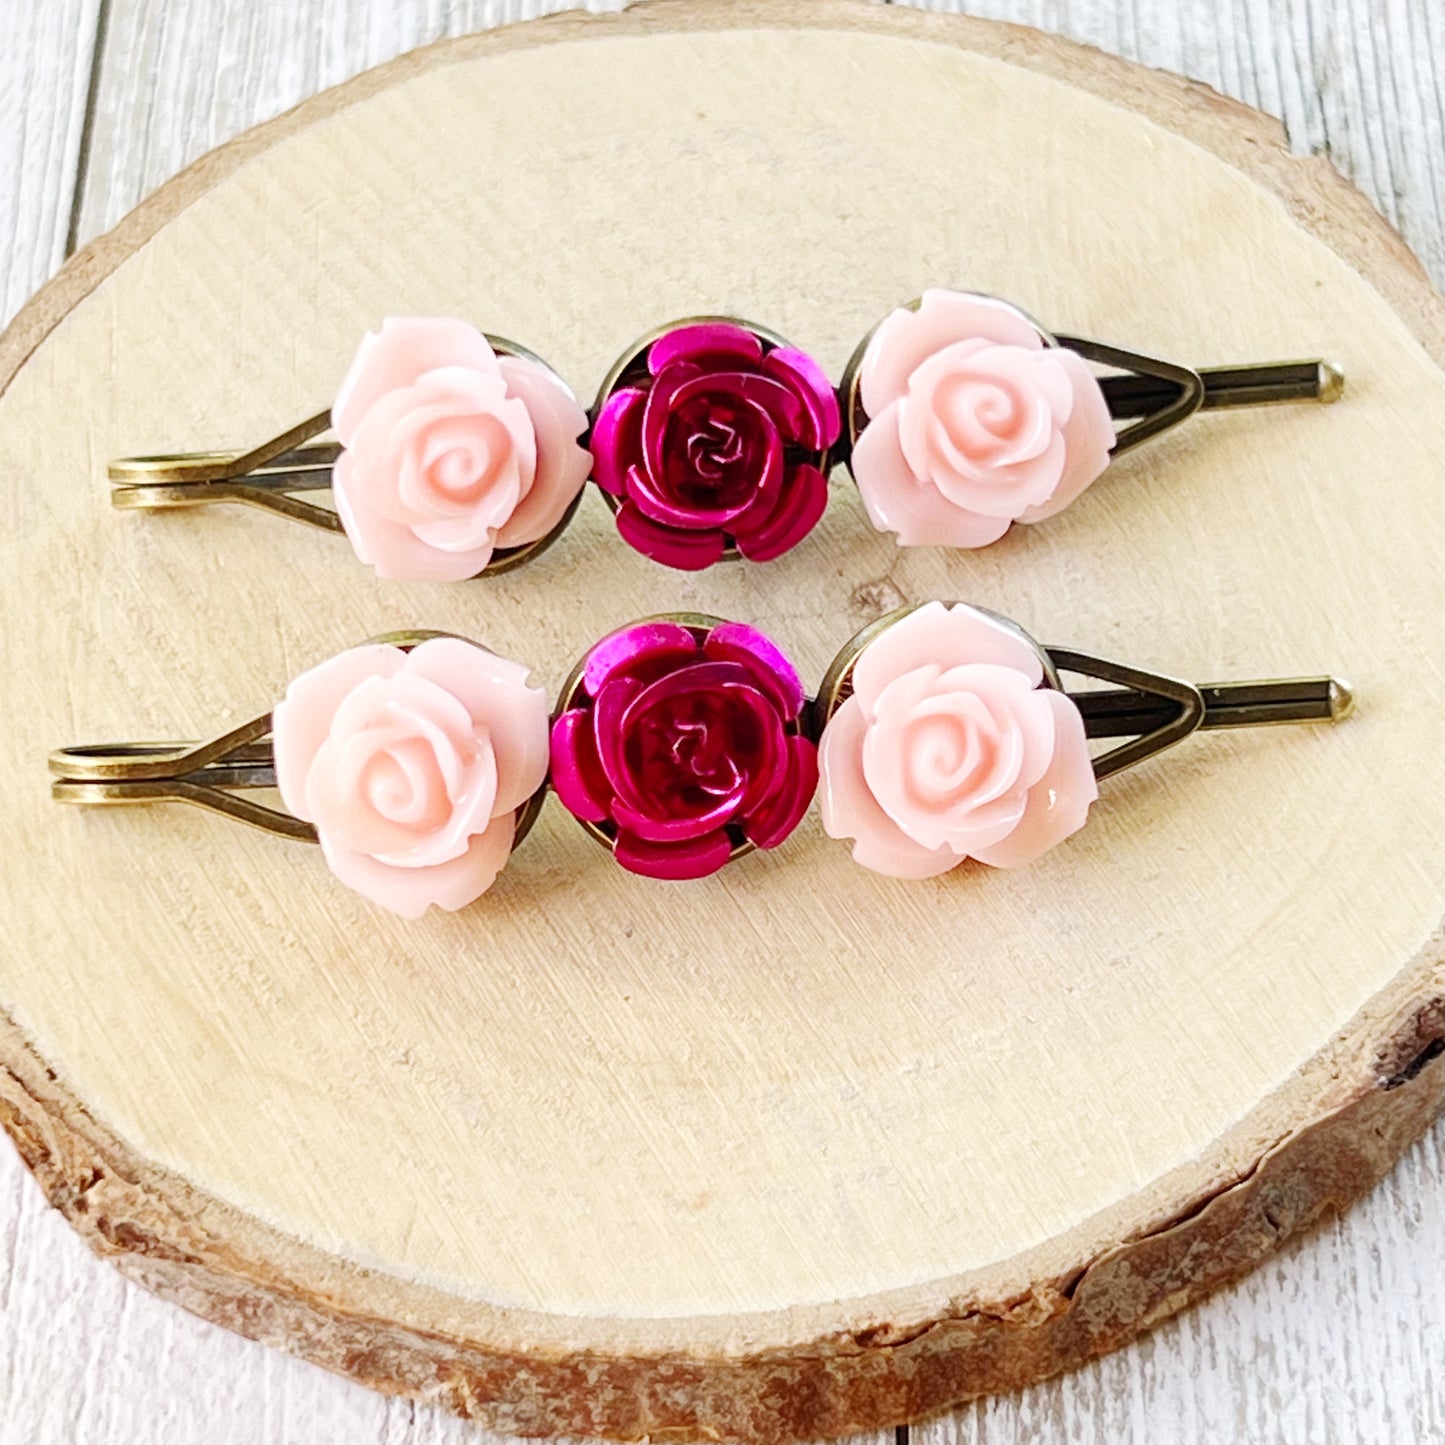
[(798, 1150)]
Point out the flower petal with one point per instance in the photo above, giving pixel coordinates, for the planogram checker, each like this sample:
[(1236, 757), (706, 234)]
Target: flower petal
[(562, 464), (905, 338), (773, 408), (428, 742), (809, 383), (769, 825), (702, 339), (695, 858), (771, 671), (645, 828), (643, 488), (609, 713), (945, 636), (1088, 435), (616, 440), (913, 508), (392, 549), (638, 647), (730, 688), (1030, 709), (302, 719), (393, 357), (798, 511), (577, 776), (686, 551), (447, 407), (946, 763), (411, 891), (1059, 802), (849, 809), (495, 693)]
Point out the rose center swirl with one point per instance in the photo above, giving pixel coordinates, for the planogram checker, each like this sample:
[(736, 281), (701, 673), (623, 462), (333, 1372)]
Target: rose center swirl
[(693, 750), (713, 451), (404, 784), (956, 751), (977, 414)]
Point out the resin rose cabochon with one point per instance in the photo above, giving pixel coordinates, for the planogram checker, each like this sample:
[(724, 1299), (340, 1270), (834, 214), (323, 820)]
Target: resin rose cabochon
[(796, 1149), (450, 451), (973, 419)]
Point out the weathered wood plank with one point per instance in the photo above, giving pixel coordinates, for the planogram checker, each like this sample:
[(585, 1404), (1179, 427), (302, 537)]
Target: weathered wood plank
[(182, 76), (1338, 1340), (45, 66)]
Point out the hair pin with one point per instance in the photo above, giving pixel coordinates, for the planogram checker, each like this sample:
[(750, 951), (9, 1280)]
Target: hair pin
[(943, 732), (460, 454)]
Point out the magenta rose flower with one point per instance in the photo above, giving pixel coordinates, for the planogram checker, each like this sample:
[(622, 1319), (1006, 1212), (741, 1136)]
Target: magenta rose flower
[(721, 441), (679, 744)]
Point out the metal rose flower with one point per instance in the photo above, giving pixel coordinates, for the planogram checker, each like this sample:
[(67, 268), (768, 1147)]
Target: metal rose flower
[(715, 437), (679, 743)]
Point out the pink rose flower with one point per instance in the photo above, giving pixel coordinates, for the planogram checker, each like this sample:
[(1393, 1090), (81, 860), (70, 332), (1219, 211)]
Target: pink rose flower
[(950, 747), (451, 451), (411, 765), (975, 420)]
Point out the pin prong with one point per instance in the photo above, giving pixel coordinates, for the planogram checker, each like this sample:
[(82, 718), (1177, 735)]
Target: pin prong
[(1131, 395), (1126, 712)]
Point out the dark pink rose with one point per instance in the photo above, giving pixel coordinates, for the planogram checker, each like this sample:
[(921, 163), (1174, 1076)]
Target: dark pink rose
[(722, 442), (681, 743)]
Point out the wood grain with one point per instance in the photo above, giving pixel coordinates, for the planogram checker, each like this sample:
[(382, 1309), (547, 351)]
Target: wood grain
[(1102, 1403), (1362, 81)]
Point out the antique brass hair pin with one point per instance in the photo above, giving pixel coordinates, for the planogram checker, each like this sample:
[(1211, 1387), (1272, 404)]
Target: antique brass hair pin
[(941, 733), (459, 454)]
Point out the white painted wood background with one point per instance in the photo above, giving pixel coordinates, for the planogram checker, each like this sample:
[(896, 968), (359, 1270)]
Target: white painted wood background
[(1340, 1338)]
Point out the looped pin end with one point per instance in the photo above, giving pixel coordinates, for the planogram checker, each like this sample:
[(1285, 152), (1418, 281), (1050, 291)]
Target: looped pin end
[(406, 835), (208, 775), (462, 454), (268, 476)]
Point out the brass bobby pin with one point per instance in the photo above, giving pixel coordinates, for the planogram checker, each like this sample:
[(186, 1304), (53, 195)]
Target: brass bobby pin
[(459, 454)]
